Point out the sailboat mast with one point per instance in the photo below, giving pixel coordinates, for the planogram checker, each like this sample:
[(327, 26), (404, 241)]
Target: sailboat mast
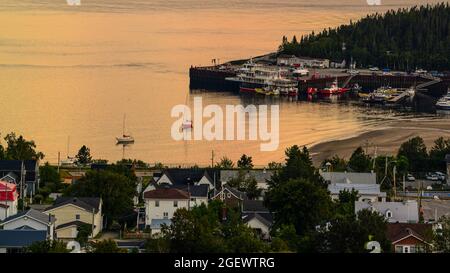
[(68, 144), (123, 129)]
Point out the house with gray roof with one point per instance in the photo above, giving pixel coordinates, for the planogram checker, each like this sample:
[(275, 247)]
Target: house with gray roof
[(258, 217), (366, 192), (349, 177), (72, 212), (30, 220), (394, 212), (13, 171)]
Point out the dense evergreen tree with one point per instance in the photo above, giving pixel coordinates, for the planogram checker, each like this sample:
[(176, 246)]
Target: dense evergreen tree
[(416, 152), (403, 39)]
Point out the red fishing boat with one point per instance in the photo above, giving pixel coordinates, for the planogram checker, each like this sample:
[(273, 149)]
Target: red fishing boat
[(334, 89)]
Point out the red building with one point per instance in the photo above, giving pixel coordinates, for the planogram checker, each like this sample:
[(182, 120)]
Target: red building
[(409, 238), (8, 199)]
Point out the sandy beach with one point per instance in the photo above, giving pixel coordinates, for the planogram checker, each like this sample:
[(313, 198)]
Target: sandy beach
[(386, 139)]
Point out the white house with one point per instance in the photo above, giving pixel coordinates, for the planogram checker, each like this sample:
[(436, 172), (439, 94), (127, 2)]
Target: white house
[(394, 212), (366, 192), (161, 204), (31, 220), (257, 217), (8, 199)]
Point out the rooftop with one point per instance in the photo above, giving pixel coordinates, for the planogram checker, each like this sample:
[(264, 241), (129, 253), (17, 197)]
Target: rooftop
[(349, 177), (31, 213), (402, 212), (21, 238), (87, 203), (166, 193)]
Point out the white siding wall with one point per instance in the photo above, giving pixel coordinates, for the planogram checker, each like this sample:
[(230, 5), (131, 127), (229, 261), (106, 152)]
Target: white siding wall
[(205, 180), (164, 179), (25, 222), (11, 210), (154, 212), (197, 201), (256, 224)]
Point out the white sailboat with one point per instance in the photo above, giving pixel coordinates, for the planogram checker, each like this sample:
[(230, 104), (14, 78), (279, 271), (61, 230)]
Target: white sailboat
[(187, 124), (124, 139), (69, 160)]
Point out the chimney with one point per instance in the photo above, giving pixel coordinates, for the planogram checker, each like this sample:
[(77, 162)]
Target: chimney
[(224, 213)]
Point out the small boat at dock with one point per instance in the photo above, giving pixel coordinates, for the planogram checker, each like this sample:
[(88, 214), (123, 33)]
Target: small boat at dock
[(444, 102)]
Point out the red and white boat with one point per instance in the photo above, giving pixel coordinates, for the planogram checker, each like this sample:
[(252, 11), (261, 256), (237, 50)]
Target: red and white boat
[(334, 89)]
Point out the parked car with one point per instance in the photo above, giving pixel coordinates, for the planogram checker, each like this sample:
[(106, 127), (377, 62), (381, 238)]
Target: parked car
[(441, 176), (410, 178), (431, 176), (374, 68)]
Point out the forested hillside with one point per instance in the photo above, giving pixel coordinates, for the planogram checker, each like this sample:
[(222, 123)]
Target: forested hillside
[(405, 39)]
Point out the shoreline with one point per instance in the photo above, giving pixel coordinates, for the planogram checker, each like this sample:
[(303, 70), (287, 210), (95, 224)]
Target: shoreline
[(386, 139)]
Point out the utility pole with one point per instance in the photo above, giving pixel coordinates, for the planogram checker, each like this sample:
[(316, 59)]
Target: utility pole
[(395, 185), (212, 158), (59, 158)]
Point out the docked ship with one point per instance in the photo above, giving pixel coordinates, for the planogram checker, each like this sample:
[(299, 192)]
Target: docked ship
[(334, 89), (256, 78), (444, 102)]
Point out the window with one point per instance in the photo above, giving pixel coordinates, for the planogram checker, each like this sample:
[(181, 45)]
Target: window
[(77, 217), (406, 249), (228, 195), (157, 203), (165, 215), (388, 214), (175, 203)]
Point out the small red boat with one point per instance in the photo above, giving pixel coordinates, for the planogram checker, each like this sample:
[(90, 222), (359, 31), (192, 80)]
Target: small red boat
[(333, 89)]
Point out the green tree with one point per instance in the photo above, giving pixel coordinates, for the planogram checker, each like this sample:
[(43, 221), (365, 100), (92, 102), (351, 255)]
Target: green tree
[(245, 162), (299, 202), (48, 246), (225, 163), (204, 230), (250, 187), (19, 148), (437, 154), (84, 231), (346, 202), (84, 155), (274, 165), (442, 236), (115, 189), (350, 234), (105, 246), (337, 164), (49, 177), (416, 152), (360, 161), (297, 194)]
